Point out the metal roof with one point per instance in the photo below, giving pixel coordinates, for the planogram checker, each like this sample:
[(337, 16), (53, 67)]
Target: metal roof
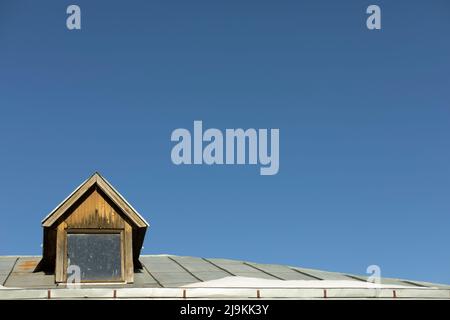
[(169, 276)]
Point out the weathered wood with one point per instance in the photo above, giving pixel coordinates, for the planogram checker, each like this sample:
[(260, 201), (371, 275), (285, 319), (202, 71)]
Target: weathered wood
[(95, 207), (96, 179), (56, 214), (128, 252), (60, 253), (95, 212), (112, 194)]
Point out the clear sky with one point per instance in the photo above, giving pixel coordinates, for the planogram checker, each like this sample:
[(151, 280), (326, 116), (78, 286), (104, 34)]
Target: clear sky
[(364, 119)]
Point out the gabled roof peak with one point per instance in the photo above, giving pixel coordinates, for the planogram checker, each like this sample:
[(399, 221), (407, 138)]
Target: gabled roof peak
[(95, 179)]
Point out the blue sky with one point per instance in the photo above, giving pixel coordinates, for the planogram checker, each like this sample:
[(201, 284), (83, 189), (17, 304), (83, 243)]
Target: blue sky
[(364, 119)]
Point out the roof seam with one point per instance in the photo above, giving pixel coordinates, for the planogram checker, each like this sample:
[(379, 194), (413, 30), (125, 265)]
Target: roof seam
[(151, 275), (219, 267), (185, 269), (355, 277), (306, 274), (361, 278), (263, 271), (10, 271), (414, 283)]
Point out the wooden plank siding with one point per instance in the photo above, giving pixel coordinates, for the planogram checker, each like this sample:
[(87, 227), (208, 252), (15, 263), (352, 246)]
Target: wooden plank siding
[(128, 251), (60, 253), (95, 212), (96, 181)]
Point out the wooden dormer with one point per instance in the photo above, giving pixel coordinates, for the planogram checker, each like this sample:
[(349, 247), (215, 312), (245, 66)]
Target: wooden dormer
[(96, 230)]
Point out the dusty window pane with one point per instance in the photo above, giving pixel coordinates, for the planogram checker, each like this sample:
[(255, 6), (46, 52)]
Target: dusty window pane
[(97, 255)]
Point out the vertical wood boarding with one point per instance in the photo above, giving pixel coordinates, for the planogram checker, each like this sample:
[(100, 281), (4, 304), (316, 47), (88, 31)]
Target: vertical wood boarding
[(60, 252), (95, 212), (128, 252)]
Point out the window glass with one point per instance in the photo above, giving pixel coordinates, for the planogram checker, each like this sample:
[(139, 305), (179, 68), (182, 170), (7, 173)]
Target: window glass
[(97, 255)]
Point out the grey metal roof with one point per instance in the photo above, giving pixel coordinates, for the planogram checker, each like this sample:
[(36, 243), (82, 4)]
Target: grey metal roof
[(169, 271)]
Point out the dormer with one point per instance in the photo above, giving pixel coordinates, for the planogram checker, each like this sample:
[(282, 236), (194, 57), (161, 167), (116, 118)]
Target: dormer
[(95, 231)]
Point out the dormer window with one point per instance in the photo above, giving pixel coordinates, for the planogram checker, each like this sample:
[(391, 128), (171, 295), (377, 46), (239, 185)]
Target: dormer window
[(98, 255), (96, 230)]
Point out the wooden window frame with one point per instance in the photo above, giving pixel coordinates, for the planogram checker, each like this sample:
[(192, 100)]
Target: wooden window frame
[(97, 231)]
